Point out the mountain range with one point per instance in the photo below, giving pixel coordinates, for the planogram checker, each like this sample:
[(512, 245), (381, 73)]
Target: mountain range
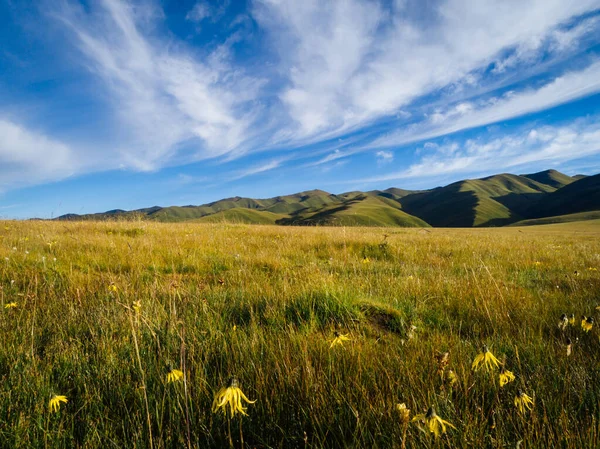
[(499, 200)]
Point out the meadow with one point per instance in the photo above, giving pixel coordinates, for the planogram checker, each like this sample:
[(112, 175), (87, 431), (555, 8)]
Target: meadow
[(102, 312)]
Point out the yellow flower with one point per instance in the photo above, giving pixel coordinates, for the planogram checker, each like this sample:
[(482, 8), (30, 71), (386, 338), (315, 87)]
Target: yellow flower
[(537, 263), (10, 305), (174, 375), (232, 395), (137, 306), (452, 377), (366, 260), (112, 288), (339, 339), (572, 319), (506, 376), (55, 401), (486, 359), (587, 323), (434, 423), (523, 402), (404, 413)]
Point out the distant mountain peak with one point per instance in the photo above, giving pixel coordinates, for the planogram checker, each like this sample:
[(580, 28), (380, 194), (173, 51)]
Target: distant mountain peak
[(495, 200)]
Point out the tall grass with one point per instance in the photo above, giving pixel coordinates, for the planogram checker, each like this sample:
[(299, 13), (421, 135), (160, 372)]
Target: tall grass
[(263, 303)]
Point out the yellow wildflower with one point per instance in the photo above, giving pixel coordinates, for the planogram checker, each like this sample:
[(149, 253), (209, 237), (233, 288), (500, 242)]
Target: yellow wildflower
[(174, 375), (523, 402), (572, 319), (366, 260), (10, 305), (404, 413), (231, 395), (112, 288), (506, 376), (451, 377), (433, 422), (137, 306), (587, 323), (486, 359), (55, 401), (339, 339)]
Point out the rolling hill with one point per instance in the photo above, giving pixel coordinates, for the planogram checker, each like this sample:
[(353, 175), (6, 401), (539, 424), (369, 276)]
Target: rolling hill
[(497, 200)]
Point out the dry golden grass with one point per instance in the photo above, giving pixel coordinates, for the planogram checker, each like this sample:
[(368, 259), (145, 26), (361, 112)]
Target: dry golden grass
[(263, 304)]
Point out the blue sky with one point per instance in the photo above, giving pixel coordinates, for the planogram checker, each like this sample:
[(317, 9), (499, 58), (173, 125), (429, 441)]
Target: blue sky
[(109, 104)]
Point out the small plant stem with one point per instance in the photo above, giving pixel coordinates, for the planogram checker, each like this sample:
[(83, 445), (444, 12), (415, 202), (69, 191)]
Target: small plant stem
[(139, 360), (241, 435), (404, 436), (229, 432)]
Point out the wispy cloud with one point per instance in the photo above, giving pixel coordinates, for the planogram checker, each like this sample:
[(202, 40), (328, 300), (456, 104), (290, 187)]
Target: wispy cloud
[(546, 144), (362, 71), (207, 10), (28, 157), (171, 107), (384, 157), (256, 169), (348, 63), (565, 88)]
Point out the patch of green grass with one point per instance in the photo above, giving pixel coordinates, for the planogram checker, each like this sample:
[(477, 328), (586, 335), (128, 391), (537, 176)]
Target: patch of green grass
[(264, 304)]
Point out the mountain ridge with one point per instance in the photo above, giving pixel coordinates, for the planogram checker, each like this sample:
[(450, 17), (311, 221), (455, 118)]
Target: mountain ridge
[(496, 200)]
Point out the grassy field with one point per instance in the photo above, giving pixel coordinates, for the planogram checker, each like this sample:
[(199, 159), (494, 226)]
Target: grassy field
[(100, 312)]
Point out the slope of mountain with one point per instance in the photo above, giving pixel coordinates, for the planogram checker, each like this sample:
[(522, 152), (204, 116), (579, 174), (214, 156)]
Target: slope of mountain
[(492, 201), (360, 210), (581, 216), (552, 178), (246, 216), (582, 195)]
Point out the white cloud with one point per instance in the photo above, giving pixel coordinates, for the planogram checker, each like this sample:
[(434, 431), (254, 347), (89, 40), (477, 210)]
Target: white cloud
[(256, 169), (199, 12), (545, 146), (172, 108), (348, 63), (28, 157), (334, 156), (205, 9), (384, 157), (342, 66), (565, 88)]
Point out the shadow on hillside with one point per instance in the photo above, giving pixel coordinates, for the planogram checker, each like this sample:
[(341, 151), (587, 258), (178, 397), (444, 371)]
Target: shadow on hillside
[(521, 205), (297, 219), (445, 207)]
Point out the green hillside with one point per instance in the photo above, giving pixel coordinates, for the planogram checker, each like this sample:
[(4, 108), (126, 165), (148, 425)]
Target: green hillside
[(552, 178), (497, 200), (581, 216), (246, 216), (582, 195), (492, 201), (361, 210)]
